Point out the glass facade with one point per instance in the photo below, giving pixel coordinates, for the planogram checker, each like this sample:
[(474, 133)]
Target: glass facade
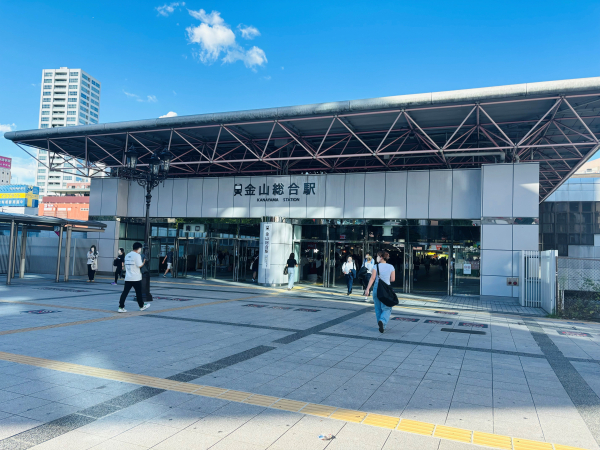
[(568, 223)]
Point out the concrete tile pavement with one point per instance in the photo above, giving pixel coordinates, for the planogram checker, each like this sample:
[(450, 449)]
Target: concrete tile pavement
[(500, 382)]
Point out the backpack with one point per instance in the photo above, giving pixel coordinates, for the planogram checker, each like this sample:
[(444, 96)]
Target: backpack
[(116, 262)]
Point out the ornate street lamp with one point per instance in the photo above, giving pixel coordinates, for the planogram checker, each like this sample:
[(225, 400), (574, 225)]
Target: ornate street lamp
[(150, 177)]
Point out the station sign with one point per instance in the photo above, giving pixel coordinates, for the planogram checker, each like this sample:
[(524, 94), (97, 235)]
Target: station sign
[(275, 192)]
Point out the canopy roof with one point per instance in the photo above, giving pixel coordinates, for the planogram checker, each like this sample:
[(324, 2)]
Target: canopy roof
[(555, 123), (27, 219)]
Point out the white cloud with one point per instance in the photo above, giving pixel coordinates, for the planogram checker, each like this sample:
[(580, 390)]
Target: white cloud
[(130, 95), (150, 98), (5, 128), (216, 38), (169, 114), (165, 9), (23, 170), (248, 32)]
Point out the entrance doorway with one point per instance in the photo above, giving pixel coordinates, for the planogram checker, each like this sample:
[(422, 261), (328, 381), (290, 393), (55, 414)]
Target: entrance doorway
[(429, 268), (398, 258)]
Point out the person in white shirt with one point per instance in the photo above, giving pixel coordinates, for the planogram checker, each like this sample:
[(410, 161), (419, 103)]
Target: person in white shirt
[(133, 278), (349, 270), (387, 274), (368, 264), (92, 263)]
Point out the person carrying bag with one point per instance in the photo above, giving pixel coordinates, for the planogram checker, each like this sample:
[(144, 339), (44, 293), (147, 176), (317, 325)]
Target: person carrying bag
[(349, 271), (384, 296)]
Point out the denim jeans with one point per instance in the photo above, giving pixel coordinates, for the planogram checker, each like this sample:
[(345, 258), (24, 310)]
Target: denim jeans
[(291, 271), (349, 280), (382, 312)]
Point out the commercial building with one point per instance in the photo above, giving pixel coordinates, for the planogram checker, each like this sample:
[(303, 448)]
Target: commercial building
[(19, 199), (570, 217), (66, 207), (69, 97), (448, 183), (5, 170)]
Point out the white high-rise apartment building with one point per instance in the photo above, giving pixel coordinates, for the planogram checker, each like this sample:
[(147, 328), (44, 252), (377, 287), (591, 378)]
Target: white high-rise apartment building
[(69, 97)]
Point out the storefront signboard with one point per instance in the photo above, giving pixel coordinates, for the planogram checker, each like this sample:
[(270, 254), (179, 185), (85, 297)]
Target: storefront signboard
[(466, 269)]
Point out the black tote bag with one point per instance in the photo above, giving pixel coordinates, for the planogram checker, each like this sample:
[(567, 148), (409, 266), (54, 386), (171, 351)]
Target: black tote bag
[(385, 293)]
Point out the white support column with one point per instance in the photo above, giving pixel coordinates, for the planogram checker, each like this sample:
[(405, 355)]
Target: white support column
[(510, 196), (275, 247)]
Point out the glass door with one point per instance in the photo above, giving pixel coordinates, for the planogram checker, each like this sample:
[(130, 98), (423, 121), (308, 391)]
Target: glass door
[(398, 258), (465, 269), (181, 258), (245, 252), (209, 268), (311, 262)]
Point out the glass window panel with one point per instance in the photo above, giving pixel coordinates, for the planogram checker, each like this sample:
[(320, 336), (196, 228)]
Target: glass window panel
[(548, 217), (573, 239), (561, 207), (587, 206), (561, 218), (562, 238), (547, 228), (349, 232), (548, 239), (587, 239), (574, 207), (563, 250), (317, 232)]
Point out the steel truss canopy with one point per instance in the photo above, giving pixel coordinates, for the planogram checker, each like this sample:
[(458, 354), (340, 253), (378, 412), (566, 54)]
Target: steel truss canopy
[(555, 123)]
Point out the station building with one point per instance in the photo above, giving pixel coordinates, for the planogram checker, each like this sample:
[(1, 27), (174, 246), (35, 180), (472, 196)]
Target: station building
[(449, 183)]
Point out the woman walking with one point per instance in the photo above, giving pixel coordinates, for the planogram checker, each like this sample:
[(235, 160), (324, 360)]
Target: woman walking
[(119, 264), (349, 270), (291, 270), (387, 274), (92, 263), (368, 264)]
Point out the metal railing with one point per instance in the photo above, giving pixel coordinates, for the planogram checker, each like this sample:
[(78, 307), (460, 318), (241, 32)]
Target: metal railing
[(537, 279)]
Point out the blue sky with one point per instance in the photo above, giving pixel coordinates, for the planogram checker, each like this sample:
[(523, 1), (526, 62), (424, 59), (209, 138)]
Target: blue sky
[(153, 58)]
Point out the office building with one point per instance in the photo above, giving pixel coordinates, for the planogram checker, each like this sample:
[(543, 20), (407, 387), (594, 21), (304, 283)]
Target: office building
[(69, 97), (5, 168)]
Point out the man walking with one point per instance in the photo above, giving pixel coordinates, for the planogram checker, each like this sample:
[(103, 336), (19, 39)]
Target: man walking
[(133, 278), (169, 259)]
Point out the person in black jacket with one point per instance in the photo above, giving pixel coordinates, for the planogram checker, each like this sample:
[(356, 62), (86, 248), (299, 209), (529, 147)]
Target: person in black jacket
[(120, 265), (255, 270)]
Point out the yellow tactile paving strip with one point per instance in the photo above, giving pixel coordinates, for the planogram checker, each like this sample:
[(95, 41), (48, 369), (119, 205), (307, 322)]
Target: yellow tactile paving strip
[(116, 316), (332, 412)]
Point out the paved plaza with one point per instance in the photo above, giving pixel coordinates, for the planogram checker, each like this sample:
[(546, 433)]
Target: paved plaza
[(226, 366)]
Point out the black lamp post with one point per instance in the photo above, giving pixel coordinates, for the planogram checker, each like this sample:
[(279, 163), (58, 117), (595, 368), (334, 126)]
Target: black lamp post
[(157, 172)]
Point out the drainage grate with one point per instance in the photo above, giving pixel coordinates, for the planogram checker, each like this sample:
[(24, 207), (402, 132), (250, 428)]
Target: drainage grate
[(454, 330)]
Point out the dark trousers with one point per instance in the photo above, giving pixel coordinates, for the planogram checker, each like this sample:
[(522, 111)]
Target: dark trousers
[(118, 272), (137, 285), (349, 281), (91, 272)]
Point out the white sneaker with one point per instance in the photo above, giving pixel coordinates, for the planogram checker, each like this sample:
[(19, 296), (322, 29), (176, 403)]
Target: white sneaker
[(146, 306), (121, 310)]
